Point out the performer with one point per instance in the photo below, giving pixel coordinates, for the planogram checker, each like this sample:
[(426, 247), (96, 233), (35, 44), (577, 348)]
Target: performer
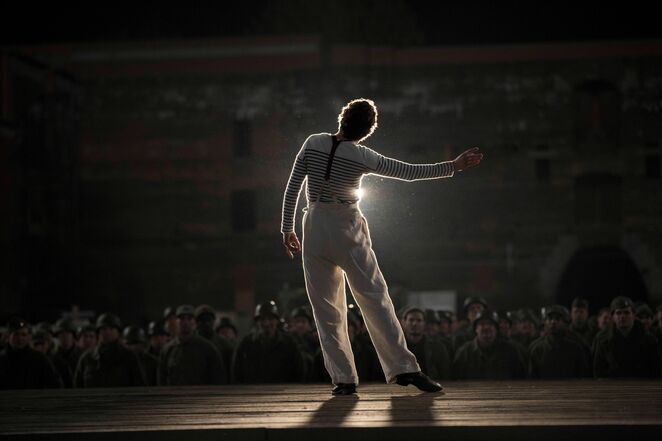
[(336, 244)]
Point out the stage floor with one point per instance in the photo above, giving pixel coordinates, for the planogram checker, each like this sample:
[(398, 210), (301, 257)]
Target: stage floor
[(545, 410)]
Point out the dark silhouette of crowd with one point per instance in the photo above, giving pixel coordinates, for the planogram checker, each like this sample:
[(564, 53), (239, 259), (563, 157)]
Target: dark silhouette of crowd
[(194, 346)]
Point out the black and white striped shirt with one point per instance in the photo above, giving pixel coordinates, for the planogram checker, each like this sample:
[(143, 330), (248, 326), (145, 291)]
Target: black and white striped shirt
[(350, 163)]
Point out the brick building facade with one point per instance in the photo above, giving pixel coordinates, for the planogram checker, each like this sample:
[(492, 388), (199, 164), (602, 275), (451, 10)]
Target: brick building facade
[(185, 149)]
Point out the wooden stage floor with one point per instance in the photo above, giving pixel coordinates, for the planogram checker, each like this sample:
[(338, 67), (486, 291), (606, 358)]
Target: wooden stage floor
[(526, 410)]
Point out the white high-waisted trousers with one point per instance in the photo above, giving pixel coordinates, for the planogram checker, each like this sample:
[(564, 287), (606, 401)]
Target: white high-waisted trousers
[(336, 244)]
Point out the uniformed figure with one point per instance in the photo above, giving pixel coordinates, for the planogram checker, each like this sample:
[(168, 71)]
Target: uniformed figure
[(205, 317), (42, 341), (268, 355), (488, 356), (227, 331), (525, 327), (135, 340), (109, 364), (645, 315), (158, 337), (65, 332), (170, 318), (189, 359), (431, 354), (446, 324), (86, 337), (625, 349), (21, 367), (558, 354), (301, 330), (472, 308), (581, 324)]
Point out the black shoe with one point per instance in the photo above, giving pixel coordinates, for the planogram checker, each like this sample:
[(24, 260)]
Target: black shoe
[(344, 389), (420, 380)]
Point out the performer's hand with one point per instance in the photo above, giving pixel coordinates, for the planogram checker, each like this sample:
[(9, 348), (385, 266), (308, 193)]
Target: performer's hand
[(291, 243), (468, 159)]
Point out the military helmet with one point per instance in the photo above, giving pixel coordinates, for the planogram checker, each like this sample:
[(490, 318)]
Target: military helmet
[(16, 323), (471, 300), (267, 309), (169, 311), (109, 320), (302, 311), (185, 310), (43, 326), (526, 315), (445, 316), (204, 309), (486, 314), (89, 327), (559, 310), (134, 335), (156, 328), (431, 316), (644, 311), (621, 302), (41, 336), (64, 325), (505, 315), (411, 309), (225, 322), (580, 302)]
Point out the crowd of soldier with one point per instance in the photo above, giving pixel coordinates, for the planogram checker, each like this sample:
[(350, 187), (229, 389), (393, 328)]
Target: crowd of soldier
[(190, 346)]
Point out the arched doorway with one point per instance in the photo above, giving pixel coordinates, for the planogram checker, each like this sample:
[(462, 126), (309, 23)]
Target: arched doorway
[(600, 274)]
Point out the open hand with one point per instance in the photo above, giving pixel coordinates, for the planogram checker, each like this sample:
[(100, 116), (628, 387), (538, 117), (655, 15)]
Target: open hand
[(291, 243), (467, 159)]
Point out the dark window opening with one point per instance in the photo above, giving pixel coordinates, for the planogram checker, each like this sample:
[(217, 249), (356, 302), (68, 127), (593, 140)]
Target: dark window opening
[(243, 210), (653, 166), (242, 138)]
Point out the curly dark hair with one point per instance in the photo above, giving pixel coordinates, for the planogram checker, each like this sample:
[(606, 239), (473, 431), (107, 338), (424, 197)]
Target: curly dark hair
[(358, 119)]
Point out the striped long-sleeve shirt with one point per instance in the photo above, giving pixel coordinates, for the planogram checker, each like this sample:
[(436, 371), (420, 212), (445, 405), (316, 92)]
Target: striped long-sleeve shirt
[(350, 164)]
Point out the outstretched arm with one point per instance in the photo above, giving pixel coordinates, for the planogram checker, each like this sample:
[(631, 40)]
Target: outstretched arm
[(405, 171)]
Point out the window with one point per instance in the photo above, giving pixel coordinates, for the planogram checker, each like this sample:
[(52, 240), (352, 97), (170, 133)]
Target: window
[(242, 138), (243, 210), (652, 166)]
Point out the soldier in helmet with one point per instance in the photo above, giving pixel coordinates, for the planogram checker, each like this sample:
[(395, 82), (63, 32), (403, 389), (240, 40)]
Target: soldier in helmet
[(109, 364), (21, 367), (42, 341), (473, 307), (135, 340), (170, 319), (525, 327), (268, 355), (645, 315), (430, 352), (86, 337), (190, 359), (65, 332), (488, 356), (227, 331), (301, 330), (581, 324), (625, 349), (158, 337), (446, 324), (558, 354), (205, 317)]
